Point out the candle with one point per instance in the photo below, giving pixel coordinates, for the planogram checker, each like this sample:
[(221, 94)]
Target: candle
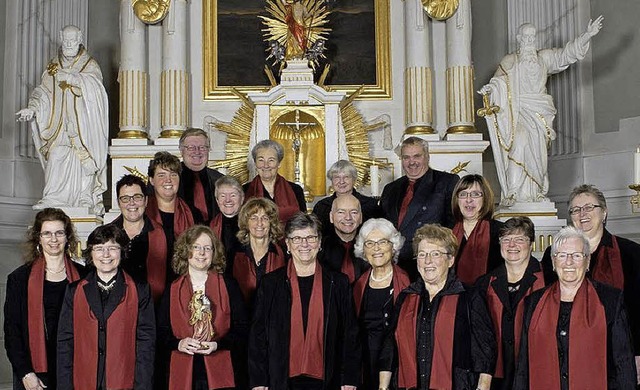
[(375, 184), (636, 166)]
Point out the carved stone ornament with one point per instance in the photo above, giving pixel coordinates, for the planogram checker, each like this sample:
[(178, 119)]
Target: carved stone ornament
[(440, 9), (151, 11)]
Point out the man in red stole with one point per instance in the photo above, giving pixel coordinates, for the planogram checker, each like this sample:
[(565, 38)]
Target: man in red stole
[(304, 332)]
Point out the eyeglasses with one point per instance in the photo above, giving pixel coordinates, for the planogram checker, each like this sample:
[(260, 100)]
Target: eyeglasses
[(262, 218), (309, 239), (576, 256), (200, 248), (193, 148), (472, 194), (380, 243), (587, 208), (435, 255), (519, 240), (57, 234), (104, 249), (128, 198)]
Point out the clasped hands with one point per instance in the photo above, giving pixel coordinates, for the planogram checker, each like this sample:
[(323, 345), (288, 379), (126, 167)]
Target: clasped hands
[(191, 346)]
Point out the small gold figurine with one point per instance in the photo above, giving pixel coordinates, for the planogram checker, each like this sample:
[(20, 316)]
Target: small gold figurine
[(201, 318)]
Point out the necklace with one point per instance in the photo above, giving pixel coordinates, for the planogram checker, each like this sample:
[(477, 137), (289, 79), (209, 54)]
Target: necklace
[(56, 272), (382, 278)]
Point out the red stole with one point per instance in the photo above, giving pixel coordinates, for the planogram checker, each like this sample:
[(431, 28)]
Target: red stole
[(406, 333), (400, 281), (35, 310), (587, 341), (347, 262), (244, 270), (182, 217), (283, 196), (496, 308), (608, 267), (472, 262), (306, 351), (216, 225), (120, 363), (199, 200), (217, 364), (157, 261)]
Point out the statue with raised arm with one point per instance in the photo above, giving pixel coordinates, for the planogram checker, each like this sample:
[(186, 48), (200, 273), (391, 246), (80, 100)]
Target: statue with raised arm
[(71, 127), (520, 119)]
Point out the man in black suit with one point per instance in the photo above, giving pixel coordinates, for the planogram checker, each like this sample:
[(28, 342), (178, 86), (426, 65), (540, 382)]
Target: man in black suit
[(197, 181), (420, 197)]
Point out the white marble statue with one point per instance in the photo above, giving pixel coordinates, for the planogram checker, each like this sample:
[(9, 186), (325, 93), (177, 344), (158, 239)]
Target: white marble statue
[(71, 127), (523, 128)]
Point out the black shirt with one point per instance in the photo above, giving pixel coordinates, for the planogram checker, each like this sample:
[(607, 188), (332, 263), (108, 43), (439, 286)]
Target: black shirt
[(305, 284)]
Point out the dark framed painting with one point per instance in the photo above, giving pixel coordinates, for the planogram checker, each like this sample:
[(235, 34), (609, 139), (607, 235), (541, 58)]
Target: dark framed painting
[(235, 52)]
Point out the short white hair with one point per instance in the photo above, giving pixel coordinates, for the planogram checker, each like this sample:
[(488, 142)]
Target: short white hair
[(391, 233)]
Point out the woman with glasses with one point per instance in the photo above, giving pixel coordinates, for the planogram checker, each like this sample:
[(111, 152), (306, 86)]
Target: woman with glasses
[(34, 298), (376, 291), (260, 232), (504, 290), (267, 157), (441, 336), (202, 319), (106, 335), (304, 334), (614, 260), (476, 231), (575, 331)]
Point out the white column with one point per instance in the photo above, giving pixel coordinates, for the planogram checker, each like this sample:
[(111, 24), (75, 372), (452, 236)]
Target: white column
[(133, 75), (418, 90), (460, 94), (174, 78)]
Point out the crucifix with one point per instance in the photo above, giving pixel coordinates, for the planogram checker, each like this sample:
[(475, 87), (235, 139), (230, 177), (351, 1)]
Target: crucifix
[(300, 132)]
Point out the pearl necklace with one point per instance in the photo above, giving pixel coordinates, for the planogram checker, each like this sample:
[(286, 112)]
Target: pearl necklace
[(382, 278), (55, 272)]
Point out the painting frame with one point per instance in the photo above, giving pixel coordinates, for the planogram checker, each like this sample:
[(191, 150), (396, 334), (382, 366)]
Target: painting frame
[(380, 90)]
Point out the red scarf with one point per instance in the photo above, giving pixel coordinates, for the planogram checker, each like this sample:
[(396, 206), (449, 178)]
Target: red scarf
[(400, 281), (587, 341), (406, 333), (472, 262), (120, 363), (35, 310), (182, 217), (608, 267), (157, 261), (347, 262), (217, 364), (283, 196), (496, 308), (244, 270), (306, 351), (216, 225)]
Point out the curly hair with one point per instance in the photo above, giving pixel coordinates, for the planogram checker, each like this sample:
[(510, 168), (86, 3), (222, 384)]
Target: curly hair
[(102, 235), (183, 250), (438, 235), (252, 207), (384, 226), (32, 246)]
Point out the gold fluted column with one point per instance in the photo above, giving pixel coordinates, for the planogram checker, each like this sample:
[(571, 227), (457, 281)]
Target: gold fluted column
[(174, 78), (133, 113), (460, 94), (418, 89)]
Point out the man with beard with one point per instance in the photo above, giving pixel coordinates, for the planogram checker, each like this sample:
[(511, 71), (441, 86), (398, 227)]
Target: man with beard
[(420, 197), (522, 130), (337, 247)]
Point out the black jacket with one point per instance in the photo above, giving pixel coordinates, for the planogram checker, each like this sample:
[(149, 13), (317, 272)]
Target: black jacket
[(621, 369), (145, 331), (270, 333), (630, 255), (208, 179), (431, 203), (368, 205), (333, 253), (474, 345)]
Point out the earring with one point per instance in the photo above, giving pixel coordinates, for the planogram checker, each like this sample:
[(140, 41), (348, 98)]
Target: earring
[(38, 248)]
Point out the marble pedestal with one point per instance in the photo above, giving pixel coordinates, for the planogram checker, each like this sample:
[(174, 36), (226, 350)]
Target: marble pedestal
[(84, 223)]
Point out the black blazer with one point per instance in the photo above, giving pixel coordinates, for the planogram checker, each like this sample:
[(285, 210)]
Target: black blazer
[(333, 252), (208, 179), (270, 333), (16, 328), (431, 203), (368, 205)]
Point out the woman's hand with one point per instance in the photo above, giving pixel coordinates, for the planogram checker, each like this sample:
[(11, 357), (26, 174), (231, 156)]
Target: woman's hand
[(207, 347), (189, 345), (32, 382)]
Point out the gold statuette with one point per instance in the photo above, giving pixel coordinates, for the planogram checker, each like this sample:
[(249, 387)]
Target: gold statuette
[(440, 9), (151, 11)]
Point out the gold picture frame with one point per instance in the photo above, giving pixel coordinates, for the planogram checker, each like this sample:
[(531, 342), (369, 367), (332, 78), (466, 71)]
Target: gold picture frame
[(213, 91)]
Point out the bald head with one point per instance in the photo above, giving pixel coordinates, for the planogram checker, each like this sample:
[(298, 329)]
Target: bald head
[(346, 216)]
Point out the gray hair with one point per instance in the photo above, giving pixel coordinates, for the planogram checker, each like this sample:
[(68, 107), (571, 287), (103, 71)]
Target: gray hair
[(413, 141), (386, 228), (228, 181), (342, 166), (193, 132), (268, 144), (588, 189), (567, 233), (301, 221)]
